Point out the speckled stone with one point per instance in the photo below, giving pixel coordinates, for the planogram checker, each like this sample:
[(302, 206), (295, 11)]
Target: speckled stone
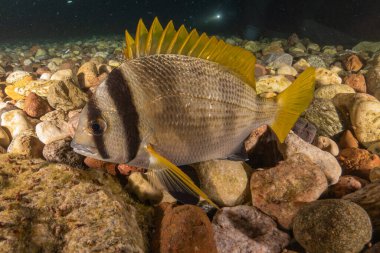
[(60, 152), (246, 229), (343, 225), (328, 120)]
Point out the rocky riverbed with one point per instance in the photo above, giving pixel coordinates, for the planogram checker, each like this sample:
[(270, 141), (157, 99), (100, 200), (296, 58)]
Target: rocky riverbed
[(317, 192)]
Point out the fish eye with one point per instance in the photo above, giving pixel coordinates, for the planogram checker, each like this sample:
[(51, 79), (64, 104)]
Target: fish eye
[(97, 126)]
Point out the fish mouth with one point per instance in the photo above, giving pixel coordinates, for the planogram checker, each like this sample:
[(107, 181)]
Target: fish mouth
[(83, 150)]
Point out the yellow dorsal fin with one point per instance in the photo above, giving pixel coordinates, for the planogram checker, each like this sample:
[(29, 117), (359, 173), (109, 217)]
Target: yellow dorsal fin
[(171, 41)]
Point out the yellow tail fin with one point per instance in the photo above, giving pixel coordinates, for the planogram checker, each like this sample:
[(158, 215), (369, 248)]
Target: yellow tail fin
[(292, 102)]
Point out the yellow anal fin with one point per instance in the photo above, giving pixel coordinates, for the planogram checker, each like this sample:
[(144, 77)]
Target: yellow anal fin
[(292, 102), (172, 177), (170, 41)]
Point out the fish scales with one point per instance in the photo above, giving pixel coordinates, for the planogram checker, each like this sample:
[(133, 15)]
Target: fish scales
[(191, 109)]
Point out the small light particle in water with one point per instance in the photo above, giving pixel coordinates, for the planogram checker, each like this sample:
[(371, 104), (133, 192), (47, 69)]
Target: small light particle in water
[(69, 1), (218, 16)]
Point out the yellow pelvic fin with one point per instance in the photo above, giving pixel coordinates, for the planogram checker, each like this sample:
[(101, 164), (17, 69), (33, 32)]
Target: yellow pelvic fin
[(169, 41), (172, 177), (292, 102)]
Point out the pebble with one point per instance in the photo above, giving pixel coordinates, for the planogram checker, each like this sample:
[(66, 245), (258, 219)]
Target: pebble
[(287, 70), (36, 106), (350, 231), (260, 70), (280, 191), (304, 129), (364, 111), (184, 228), (16, 76), (98, 164), (375, 148), (56, 115), (358, 162), (66, 96), (326, 77), (253, 46), (313, 47), (45, 76), (373, 81), (369, 198), (60, 152), (144, 190), (16, 122), (64, 75), (301, 65), (323, 114), (374, 175), (326, 161), (246, 229), (26, 143), (326, 144), (4, 138), (49, 131), (87, 75), (329, 91), (357, 82), (277, 60), (215, 175), (347, 140), (316, 61), (352, 63), (347, 184), (275, 84), (17, 90), (367, 46), (273, 47)]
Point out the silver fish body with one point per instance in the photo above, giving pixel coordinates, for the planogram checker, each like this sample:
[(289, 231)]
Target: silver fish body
[(188, 109)]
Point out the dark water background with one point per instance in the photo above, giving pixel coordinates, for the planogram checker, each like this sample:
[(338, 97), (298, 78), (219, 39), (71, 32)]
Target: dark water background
[(335, 21)]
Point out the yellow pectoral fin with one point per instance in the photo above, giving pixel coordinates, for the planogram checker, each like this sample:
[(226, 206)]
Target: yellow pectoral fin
[(172, 177)]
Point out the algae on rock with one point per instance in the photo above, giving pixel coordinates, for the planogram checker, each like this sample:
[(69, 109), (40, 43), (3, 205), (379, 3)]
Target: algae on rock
[(57, 208)]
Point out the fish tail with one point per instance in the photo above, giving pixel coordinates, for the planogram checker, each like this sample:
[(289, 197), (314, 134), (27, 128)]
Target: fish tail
[(292, 102)]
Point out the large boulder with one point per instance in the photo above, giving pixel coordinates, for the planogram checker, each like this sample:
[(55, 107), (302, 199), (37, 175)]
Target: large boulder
[(57, 208)]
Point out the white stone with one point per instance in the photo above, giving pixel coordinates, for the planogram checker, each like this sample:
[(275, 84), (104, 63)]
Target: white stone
[(301, 65), (327, 77), (49, 131), (272, 84), (63, 75), (16, 75), (326, 144), (293, 144), (16, 121), (45, 76), (287, 70), (28, 144)]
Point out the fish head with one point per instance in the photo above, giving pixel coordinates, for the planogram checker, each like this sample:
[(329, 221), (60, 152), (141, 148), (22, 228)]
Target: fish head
[(100, 132)]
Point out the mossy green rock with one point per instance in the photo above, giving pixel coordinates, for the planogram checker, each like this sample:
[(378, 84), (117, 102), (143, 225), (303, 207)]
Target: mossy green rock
[(66, 96), (323, 114), (57, 208), (332, 225)]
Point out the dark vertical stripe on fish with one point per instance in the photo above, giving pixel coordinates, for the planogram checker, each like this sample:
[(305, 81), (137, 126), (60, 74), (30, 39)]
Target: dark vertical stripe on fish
[(120, 93), (94, 113)]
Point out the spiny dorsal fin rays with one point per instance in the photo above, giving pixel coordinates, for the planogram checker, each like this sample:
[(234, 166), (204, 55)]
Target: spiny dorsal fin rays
[(154, 35), (170, 41), (141, 38)]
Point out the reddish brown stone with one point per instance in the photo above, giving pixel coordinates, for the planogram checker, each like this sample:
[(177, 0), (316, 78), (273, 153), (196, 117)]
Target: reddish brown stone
[(97, 164), (126, 169), (358, 162), (357, 82), (347, 140), (42, 70), (352, 63), (182, 229), (260, 70), (36, 106), (346, 184), (282, 190)]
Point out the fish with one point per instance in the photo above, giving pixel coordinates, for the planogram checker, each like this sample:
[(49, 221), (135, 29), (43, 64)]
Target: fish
[(181, 98)]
